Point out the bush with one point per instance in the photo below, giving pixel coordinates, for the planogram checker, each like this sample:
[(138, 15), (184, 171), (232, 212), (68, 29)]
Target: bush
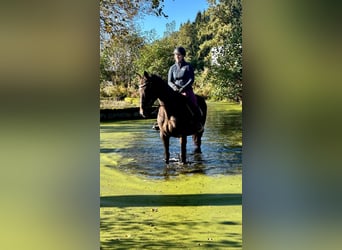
[(202, 86), (109, 90)]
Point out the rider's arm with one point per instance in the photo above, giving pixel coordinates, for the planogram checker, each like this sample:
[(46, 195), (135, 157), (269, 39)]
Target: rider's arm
[(191, 79), (170, 80)]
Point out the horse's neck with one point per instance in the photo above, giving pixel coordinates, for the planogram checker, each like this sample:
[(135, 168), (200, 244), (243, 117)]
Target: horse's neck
[(164, 94), (168, 98)]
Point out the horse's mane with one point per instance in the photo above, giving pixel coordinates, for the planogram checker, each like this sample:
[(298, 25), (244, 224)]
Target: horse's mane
[(158, 78), (161, 82), (170, 94)]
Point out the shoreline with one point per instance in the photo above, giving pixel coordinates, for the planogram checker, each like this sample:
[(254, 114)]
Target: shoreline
[(131, 113)]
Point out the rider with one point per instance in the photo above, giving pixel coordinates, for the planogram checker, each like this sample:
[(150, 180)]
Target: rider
[(180, 78)]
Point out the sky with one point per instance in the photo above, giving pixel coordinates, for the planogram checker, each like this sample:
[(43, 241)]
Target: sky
[(180, 11)]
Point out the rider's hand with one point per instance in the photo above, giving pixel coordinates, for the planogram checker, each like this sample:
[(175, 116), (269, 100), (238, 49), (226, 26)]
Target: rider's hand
[(174, 87)]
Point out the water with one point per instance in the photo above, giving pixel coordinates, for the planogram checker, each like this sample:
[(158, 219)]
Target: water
[(133, 147)]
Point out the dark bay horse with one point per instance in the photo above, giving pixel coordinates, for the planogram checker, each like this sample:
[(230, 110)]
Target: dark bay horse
[(175, 118)]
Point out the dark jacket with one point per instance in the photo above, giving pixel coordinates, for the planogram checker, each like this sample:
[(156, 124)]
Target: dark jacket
[(181, 77)]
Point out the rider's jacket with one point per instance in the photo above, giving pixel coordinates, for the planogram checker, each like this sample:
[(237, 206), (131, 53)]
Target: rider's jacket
[(181, 74)]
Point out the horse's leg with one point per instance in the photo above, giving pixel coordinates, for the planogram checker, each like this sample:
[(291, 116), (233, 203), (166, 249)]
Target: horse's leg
[(197, 140), (166, 142), (197, 137), (183, 141)]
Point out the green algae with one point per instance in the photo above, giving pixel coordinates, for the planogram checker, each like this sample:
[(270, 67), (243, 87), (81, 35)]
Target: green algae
[(192, 211), (226, 106), (161, 224)]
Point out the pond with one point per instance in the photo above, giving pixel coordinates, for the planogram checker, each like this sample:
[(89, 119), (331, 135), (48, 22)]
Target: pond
[(134, 147)]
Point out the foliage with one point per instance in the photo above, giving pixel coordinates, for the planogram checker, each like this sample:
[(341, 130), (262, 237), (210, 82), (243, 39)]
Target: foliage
[(226, 75), (120, 44), (213, 42), (191, 38), (170, 28), (117, 60), (116, 92), (116, 16), (226, 49), (202, 85), (157, 57)]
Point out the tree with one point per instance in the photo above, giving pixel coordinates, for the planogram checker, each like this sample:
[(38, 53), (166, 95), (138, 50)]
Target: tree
[(116, 16), (157, 57), (204, 34), (226, 49), (117, 60), (119, 42), (188, 37), (170, 28)]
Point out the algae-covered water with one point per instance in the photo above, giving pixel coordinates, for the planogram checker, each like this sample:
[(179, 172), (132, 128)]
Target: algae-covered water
[(148, 205), (133, 147)]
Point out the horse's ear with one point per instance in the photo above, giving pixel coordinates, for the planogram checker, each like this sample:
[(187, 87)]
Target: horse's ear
[(146, 74)]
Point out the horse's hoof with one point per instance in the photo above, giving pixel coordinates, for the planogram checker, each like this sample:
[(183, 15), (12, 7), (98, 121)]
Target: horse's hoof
[(182, 163), (197, 151)]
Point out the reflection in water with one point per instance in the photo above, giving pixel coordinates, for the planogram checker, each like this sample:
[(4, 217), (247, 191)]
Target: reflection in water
[(132, 146)]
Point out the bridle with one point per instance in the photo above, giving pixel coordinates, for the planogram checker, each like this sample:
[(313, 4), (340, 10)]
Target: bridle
[(142, 85)]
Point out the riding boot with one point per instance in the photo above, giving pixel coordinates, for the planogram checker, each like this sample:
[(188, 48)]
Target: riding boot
[(196, 116)]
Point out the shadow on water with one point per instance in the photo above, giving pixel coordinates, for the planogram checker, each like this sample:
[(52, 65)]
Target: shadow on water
[(135, 148), (171, 200)]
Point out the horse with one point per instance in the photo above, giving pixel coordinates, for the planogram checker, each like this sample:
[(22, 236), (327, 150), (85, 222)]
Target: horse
[(175, 117)]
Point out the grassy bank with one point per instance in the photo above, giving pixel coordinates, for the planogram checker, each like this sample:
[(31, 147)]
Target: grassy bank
[(129, 102), (110, 103)]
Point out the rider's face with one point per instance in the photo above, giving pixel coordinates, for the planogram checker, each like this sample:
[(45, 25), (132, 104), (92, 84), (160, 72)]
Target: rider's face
[(178, 57)]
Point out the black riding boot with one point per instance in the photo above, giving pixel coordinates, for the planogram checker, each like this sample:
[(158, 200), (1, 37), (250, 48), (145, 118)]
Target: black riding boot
[(197, 120), (196, 116)]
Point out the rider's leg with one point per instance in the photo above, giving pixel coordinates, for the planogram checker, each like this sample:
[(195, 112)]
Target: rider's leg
[(195, 110)]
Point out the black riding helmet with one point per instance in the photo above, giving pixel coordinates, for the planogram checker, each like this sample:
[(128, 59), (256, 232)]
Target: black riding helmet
[(179, 50)]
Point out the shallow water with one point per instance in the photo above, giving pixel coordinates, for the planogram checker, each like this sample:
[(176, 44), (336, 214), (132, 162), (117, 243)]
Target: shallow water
[(133, 147)]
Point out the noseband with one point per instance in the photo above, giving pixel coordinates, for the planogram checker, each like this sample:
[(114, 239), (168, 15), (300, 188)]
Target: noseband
[(142, 85)]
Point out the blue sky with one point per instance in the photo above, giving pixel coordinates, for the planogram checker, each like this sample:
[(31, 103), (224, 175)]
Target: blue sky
[(178, 10)]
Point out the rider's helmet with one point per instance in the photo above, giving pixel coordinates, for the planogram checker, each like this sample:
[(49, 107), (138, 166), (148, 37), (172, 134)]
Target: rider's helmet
[(179, 50)]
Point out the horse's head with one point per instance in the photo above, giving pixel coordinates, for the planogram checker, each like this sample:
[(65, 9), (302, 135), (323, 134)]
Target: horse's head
[(148, 93)]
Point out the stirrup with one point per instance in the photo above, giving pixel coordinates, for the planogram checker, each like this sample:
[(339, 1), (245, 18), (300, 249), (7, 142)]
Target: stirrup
[(155, 126)]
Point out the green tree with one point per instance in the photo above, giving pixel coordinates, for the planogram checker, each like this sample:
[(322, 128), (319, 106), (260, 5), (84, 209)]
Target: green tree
[(225, 49), (117, 60), (157, 57), (191, 38), (116, 16), (119, 43), (200, 33)]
